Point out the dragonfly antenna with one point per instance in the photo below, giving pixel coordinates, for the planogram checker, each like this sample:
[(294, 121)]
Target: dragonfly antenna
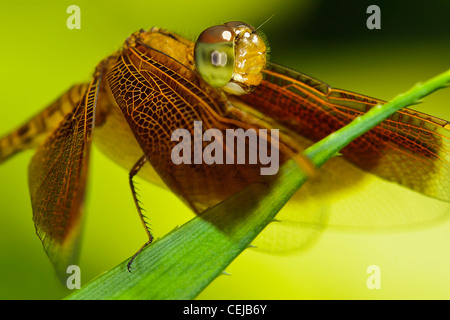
[(267, 20)]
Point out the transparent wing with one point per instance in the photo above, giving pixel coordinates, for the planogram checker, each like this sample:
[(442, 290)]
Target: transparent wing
[(34, 132), (57, 179), (410, 149)]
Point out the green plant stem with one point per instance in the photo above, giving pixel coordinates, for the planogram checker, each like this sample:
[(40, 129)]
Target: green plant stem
[(185, 261)]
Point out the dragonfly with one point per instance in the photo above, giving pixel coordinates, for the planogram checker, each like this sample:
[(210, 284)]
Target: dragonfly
[(159, 82)]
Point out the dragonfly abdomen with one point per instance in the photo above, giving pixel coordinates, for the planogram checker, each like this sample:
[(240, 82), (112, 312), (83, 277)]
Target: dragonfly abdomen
[(35, 131)]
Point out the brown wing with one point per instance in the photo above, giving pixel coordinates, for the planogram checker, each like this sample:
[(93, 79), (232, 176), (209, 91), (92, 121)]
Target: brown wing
[(158, 95), (410, 148), (34, 132), (57, 178)]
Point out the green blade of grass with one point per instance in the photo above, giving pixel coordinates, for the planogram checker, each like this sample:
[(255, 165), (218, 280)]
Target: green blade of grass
[(185, 261)]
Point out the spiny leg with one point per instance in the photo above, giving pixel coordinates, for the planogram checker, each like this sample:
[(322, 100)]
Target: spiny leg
[(134, 171)]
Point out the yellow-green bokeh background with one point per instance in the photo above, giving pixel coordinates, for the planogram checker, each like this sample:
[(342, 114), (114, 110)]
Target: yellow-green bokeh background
[(40, 58)]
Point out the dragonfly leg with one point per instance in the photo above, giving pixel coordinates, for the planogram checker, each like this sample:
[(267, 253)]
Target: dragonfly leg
[(134, 171)]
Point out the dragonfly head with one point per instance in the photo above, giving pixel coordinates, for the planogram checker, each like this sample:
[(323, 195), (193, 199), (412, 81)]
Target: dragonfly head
[(231, 57)]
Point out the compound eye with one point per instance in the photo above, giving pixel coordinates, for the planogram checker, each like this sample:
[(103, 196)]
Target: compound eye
[(214, 55), (238, 26)]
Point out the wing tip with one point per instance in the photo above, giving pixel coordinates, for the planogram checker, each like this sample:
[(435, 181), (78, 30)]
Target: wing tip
[(62, 254)]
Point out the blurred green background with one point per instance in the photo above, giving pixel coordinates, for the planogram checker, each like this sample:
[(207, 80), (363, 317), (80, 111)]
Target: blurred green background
[(41, 58)]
